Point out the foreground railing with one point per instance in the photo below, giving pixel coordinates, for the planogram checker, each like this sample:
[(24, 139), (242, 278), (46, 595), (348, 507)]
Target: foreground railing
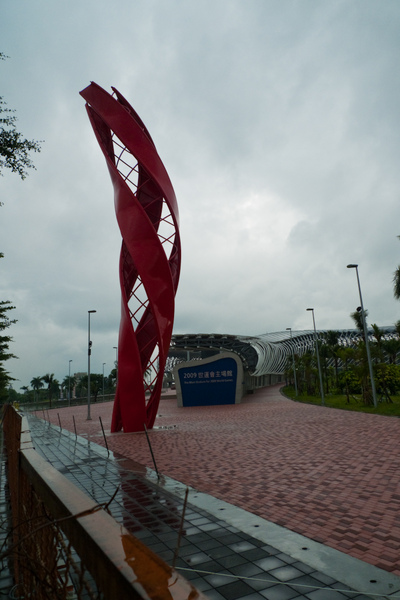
[(67, 546)]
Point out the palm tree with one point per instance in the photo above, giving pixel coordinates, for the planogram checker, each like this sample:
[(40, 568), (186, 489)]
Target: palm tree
[(391, 348), (68, 384), (112, 379), (52, 385), (96, 383), (397, 327), (363, 367), (396, 281), (332, 340), (378, 335), (358, 320), (325, 354), (37, 384), (346, 355), (306, 371)]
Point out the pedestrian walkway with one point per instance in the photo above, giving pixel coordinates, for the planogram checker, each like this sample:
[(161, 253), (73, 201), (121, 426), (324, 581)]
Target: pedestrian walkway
[(330, 475), (226, 552)]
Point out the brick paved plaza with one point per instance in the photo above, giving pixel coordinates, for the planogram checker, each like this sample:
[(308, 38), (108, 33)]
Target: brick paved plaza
[(330, 475)]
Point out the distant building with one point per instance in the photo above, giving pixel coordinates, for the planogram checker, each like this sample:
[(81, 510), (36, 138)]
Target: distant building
[(264, 357)]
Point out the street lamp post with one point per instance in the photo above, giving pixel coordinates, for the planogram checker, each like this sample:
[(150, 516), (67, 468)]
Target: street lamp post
[(294, 366), (116, 362), (371, 371), (69, 382), (321, 387), (89, 418), (103, 381)]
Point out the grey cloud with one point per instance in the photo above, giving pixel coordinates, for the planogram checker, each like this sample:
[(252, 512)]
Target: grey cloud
[(278, 125)]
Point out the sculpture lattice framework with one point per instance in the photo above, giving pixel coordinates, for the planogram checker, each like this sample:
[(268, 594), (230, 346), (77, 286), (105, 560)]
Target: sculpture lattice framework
[(147, 215)]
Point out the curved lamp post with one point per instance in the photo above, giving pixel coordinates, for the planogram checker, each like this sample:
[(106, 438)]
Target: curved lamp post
[(89, 418), (294, 366), (321, 387), (371, 371)]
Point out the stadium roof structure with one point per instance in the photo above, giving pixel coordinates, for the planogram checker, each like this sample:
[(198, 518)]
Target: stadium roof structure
[(268, 353)]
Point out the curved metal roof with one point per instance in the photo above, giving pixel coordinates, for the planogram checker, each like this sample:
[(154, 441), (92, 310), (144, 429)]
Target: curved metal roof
[(267, 353)]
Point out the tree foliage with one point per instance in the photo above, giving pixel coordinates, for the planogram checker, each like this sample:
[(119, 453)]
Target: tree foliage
[(14, 155), (37, 384), (5, 354), (14, 148), (53, 386), (345, 369), (396, 281)]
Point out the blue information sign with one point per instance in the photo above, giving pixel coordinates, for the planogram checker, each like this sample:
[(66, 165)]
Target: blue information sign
[(209, 384)]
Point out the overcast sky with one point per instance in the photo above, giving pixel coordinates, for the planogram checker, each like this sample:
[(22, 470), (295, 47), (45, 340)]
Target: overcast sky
[(278, 123)]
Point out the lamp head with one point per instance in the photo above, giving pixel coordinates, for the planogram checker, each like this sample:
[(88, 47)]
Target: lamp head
[(288, 329), (92, 311), (309, 309), (352, 266)]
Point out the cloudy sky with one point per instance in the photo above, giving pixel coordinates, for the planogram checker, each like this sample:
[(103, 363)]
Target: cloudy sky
[(278, 122)]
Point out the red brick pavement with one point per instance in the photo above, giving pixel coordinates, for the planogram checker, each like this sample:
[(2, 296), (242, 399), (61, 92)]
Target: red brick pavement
[(331, 475)]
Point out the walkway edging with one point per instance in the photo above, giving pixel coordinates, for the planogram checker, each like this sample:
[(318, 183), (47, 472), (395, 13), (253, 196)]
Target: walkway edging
[(353, 572)]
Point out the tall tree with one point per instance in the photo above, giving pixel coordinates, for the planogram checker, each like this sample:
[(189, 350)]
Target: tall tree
[(391, 348), (347, 377), (37, 384), (14, 155), (358, 320), (361, 357), (14, 148), (5, 354), (96, 384), (53, 386), (68, 384), (397, 328), (378, 335), (332, 340), (396, 281)]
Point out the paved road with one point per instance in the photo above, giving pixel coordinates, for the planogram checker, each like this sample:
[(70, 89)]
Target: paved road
[(330, 475)]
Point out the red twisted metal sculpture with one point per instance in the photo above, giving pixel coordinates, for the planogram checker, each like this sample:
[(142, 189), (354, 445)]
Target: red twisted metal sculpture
[(147, 216)]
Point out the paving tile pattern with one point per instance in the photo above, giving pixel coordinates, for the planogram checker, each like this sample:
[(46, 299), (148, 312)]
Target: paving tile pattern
[(333, 476), (220, 560)]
